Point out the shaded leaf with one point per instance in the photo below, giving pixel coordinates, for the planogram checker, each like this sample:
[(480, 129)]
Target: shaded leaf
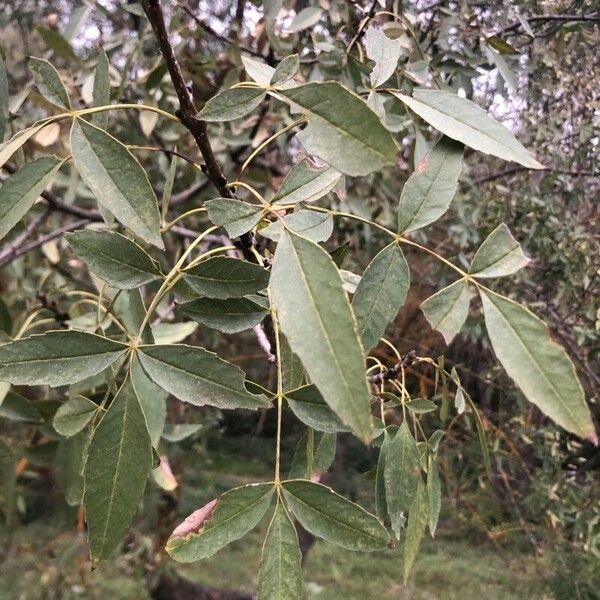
[(292, 371), (8, 148), (402, 474), (434, 493), (118, 464), (308, 405), (72, 416), (380, 294), (334, 518), (499, 254), (18, 408), (70, 458), (447, 310), (57, 358), (198, 376), (48, 82), (314, 454), (305, 183), (317, 320), (538, 365), (236, 216), (101, 90), (220, 522), (418, 517), (462, 120), (4, 100), (285, 70), (228, 316), (342, 129), (232, 104), (224, 277), (20, 191), (304, 19), (117, 180), (114, 258), (280, 576), (421, 406), (428, 192), (173, 333)]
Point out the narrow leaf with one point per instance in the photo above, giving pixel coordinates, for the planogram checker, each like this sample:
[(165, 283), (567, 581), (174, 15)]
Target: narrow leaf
[(48, 82), (305, 183), (342, 129), (307, 17), (417, 521), (114, 258), (70, 458), (119, 462), (499, 255), (8, 148), (224, 277), (461, 120), (117, 180), (228, 316), (317, 320), (285, 70), (402, 475), (20, 191), (72, 416), (280, 576), (101, 90), (308, 405), (232, 104), (236, 216), (434, 493), (314, 454), (57, 358), (4, 100), (428, 192), (537, 364), (198, 376), (447, 310), (380, 294), (334, 518), (220, 522)]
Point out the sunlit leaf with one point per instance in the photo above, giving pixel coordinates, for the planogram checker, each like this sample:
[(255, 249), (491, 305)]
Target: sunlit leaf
[(74, 415), (228, 316), (232, 104), (447, 310), (315, 226), (384, 52), (236, 216), (48, 82), (305, 183)]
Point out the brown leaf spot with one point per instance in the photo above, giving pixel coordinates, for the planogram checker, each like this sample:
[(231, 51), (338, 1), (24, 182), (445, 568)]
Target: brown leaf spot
[(194, 522)]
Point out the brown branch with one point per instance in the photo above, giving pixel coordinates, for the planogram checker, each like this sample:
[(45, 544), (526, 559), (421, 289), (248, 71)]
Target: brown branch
[(514, 170), (7, 253), (396, 370)]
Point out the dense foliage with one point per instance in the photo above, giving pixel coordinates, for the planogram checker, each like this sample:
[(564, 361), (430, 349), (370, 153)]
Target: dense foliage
[(305, 188)]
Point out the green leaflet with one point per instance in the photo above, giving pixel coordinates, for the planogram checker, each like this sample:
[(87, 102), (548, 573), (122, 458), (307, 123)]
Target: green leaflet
[(280, 576), (402, 474), (18, 408), (418, 517), (220, 522), (8, 481), (173, 333), (421, 406), (153, 401), (114, 258), (119, 462), (258, 70), (101, 90), (72, 416), (232, 104), (285, 70), (462, 120), (499, 255), (305, 183), (342, 129), (8, 148), (317, 320), (538, 365), (292, 371), (380, 501), (117, 180), (198, 376), (4, 99), (228, 316), (434, 492), (380, 294), (48, 82), (304, 19), (224, 277), (447, 310), (57, 358), (308, 405), (384, 52), (314, 454), (334, 518), (235, 216), (70, 458), (20, 191), (312, 225), (428, 192)]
